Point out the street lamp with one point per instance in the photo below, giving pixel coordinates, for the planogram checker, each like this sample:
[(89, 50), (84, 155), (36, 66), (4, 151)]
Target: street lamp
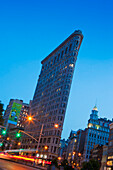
[(19, 143), (46, 147), (7, 138), (74, 153), (75, 140), (29, 118), (79, 154), (56, 125), (59, 158)]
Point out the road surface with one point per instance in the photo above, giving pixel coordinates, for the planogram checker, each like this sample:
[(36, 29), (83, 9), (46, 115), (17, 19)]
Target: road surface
[(8, 165)]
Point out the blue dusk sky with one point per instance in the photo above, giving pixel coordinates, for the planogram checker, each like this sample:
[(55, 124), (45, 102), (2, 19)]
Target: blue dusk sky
[(31, 29)]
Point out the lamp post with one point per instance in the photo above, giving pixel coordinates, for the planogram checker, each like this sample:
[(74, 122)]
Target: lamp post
[(40, 136), (56, 125)]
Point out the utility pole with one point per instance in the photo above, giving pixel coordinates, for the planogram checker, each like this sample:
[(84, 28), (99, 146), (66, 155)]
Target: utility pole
[(40, 136)]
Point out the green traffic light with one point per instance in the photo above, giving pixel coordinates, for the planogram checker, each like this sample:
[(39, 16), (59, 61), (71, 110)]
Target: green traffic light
[(1, 144), (4, 132), (18, 135)]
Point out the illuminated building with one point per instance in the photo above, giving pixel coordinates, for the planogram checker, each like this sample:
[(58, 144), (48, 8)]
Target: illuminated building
[(22, 115), (62, 151), (97, 152), (71, 146), (75, 147), (51, 95), (97, 132), (110, 149)]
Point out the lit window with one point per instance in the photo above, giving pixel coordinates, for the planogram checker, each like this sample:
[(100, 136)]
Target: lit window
[(71, 65), (41, 156), (37, 155), (90, 125), (45, 156)]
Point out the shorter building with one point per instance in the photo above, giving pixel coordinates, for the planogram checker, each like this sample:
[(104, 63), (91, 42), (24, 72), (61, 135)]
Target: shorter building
[(15, 114), (63, 148), (97, 132), (97, 152), (15, 119), (75, 147), (71, 146), (110, 149), (23, 115), (104, 158), (91, 142)]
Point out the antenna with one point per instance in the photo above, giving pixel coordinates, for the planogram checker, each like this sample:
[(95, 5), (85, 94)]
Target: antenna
[(96, 102)]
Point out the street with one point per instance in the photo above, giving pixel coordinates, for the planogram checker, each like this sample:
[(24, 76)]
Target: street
[(8, 165)]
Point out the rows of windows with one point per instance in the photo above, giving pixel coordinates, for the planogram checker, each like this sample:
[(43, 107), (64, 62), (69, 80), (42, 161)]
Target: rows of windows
[(58, 57), (41, 148), (42, 140), (97, 136), (52, 92)]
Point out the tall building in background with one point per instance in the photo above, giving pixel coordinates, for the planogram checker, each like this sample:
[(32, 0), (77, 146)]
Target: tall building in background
[(51, 96), (15, 114)]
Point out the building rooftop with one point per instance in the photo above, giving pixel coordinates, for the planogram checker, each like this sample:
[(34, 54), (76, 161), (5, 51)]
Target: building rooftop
[(76, 32), (95, 108)]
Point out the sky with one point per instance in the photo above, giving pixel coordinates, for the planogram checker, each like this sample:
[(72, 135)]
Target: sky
[(31, 29)]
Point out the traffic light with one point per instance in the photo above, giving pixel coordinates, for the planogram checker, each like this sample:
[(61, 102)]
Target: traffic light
[(1, 144), (4, 132), (18, 135)]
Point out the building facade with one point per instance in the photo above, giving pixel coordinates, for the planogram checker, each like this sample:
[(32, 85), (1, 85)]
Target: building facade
[(22, 115), (96, 153), (51, 95), (62, 151), (109, 162), (97, 132), (72, 140), (75, 147)]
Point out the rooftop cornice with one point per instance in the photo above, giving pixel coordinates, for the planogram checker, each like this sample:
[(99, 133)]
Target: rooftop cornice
[(76, 32)]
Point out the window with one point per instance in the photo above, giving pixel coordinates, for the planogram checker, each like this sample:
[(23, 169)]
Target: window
[(58, 57), (56, 140), (41, 140), (70, 47), (54, 149), (62, 54), (53, 140), (51, 148), (71, 65), (49, 139), (76, 42), (44, 140), (66, 50)]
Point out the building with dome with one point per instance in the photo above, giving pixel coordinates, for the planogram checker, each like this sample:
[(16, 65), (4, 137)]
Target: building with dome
[(97, 132)]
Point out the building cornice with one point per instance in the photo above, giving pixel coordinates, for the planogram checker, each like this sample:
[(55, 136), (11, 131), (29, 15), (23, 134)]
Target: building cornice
[(77, 32)]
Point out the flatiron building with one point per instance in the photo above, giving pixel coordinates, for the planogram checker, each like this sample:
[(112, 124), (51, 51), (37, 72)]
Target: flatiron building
[(51, 97)]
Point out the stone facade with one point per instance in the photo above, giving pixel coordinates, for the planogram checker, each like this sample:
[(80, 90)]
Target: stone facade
[(51, 96)]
